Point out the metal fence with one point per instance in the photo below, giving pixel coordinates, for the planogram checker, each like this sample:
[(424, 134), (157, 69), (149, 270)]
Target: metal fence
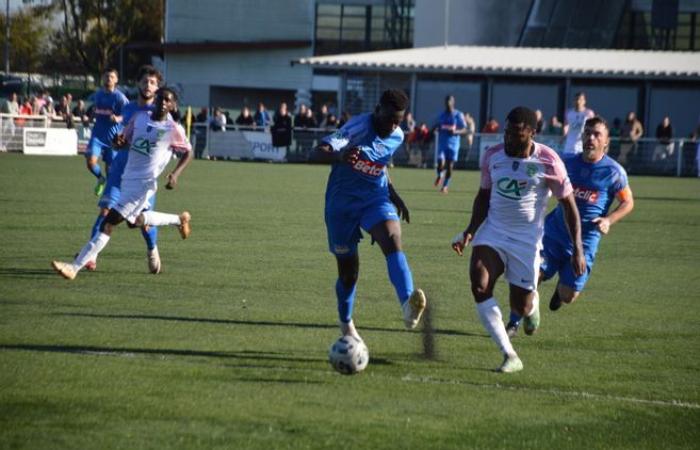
[(678, 157)]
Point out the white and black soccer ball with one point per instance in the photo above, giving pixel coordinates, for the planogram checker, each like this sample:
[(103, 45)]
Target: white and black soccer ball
[(348, 355)]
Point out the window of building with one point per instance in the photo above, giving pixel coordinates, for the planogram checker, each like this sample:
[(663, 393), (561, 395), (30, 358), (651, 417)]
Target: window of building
[(351, 28)]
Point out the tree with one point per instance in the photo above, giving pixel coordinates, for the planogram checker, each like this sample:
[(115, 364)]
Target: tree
[(28, 40), (94, 31)]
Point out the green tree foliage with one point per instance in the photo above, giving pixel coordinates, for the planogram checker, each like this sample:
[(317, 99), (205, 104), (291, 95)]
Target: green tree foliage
[(28, 40)]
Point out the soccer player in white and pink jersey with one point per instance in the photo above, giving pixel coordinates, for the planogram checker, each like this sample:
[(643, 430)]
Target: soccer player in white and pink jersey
[(152, 137), (507, 223)]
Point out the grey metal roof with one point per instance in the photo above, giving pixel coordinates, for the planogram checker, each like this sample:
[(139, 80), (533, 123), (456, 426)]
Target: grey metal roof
[(519, 61)]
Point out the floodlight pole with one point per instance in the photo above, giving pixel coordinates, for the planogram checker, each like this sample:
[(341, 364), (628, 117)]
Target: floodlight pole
[(7, 37), (447, 21)]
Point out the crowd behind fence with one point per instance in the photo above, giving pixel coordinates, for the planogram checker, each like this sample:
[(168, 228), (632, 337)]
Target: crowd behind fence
[(646, 156)]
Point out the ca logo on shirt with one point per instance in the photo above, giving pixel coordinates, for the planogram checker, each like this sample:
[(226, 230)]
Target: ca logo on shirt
[(510, 188)]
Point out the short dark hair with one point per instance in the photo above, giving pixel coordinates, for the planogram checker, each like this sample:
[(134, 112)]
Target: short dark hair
[(110, 70), (163, 89), (579, 94), (395, 98), (148, 70), (596, 120), (522, 114)]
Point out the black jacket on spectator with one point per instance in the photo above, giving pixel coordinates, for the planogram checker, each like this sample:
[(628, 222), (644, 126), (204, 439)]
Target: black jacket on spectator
[(281, 130), (303, 121), (245, 121)]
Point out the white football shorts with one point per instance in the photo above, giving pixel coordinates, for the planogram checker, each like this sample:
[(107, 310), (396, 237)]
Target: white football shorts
[(134, 198)]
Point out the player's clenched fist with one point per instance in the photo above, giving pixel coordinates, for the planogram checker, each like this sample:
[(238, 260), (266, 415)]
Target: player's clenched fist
[(119, 141), (350, 155), (460, 241)]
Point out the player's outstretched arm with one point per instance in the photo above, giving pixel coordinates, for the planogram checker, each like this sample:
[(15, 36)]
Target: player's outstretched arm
[(480, 210), (573, 224), (182, 162), (625, 206)]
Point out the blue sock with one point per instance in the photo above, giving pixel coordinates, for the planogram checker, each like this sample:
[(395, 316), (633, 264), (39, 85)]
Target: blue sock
[(96, 227), (439, 172), (400, 275), (96, 170), (447, 181), (515, 317), (346, 300), (150, 236)]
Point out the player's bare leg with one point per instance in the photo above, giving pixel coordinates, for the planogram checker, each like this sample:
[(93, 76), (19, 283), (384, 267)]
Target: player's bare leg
[(484, 269), (562, 294), (413, 302)]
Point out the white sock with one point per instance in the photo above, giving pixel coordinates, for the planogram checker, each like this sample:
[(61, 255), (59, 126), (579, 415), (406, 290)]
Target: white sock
[(90, 251), (349, 329), (157, 219), (491, 318)]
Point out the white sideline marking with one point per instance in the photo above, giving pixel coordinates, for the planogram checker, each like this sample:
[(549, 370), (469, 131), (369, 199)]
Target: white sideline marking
[(557, 392)]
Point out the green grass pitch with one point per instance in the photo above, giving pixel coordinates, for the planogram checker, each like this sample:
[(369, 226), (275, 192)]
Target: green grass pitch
[(227, 347)]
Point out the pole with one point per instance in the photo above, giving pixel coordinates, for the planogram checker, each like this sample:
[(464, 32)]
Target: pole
[(7, 37), (447, 21)]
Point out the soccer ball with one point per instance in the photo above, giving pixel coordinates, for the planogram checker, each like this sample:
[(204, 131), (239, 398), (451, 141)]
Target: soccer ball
[(348, 355)]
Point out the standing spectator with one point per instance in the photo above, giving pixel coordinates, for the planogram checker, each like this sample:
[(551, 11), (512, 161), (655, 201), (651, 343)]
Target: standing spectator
[(244, 119), (471, 130), (664, 133), (491, 126), (331, 122), (302, 121), (554, 128), (81, 113), (408, 126), (9, 106), (262, 117), (218, 122), (540, 121), (632, 130), (322, 116), (574, 119), (63, 110), (344, 117), (423, 137), (39, 101), (200, 133), (282, 127)]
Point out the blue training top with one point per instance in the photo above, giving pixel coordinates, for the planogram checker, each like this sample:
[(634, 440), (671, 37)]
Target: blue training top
[(595, 187), (106, 104), (446, 121), (366, 179)]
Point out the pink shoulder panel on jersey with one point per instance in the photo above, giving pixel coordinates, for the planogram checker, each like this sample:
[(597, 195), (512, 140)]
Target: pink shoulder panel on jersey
[(486, 163), (555, 174), (179, 142)]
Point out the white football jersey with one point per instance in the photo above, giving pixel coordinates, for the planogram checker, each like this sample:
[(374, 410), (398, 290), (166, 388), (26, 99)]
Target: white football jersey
[(576, 120), (151, 146), (520, 189)]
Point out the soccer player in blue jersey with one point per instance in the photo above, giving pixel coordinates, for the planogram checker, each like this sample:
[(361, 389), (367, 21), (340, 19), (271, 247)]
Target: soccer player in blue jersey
[(149, 80), (598, 180), (107, 111), (359, 195), (451, 125)]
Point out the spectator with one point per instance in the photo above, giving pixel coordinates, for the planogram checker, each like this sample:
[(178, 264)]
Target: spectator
[(555, 128), (632, 130), (282, 127), (344, 117), (491, 126), (540, 121), (422, 138), (81, 113), (63, 110), (39, 101), (9, 106), (200, 133), (262, 117), (664, 134), (471, 130), (218, 122), (408, 125), (331, 122), (302, 121), (201, 117), (322, 116), (244, 119)]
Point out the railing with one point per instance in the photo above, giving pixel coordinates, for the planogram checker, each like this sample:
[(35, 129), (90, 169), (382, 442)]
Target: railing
[(647, 156)]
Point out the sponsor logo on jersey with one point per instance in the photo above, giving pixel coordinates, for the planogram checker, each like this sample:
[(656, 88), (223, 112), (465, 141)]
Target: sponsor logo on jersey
[(103, 111), (370, 168), (589, 195), (510, 188), (141, 145), (516, 164)]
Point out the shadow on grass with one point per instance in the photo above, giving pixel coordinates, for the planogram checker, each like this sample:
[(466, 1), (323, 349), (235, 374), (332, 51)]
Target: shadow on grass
[(13, 272), (255, 323), (116, 351)]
